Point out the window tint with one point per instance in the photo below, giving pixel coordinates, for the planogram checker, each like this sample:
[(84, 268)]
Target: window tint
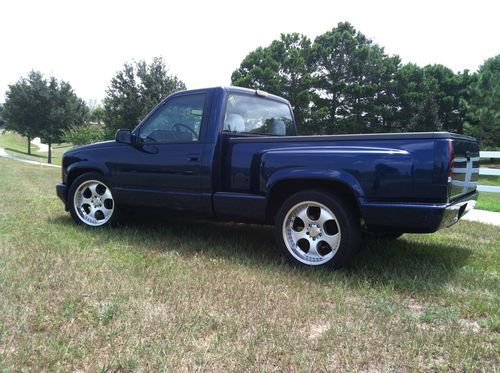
[(258, 115), (178, 120)]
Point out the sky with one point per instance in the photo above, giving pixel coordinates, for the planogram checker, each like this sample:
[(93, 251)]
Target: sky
[(203, 42)]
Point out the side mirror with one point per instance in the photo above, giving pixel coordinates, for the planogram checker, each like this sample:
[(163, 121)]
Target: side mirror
[(124, 137)]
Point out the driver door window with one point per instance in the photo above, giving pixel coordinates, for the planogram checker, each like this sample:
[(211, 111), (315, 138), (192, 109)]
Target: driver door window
[(177, 121)]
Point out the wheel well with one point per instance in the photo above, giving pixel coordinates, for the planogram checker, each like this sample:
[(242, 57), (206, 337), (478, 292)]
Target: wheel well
[(284, 189), (78, 172)]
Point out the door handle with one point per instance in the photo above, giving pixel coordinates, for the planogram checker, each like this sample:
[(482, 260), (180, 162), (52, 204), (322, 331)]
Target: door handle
[(193, 157)]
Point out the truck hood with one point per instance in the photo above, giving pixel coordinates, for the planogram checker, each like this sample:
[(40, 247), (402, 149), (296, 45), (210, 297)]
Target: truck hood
[(90, 147)]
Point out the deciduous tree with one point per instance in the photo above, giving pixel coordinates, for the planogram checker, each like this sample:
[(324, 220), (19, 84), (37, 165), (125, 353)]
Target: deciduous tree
[(65, 109), (135, 90), (26, 106), (39, 107)]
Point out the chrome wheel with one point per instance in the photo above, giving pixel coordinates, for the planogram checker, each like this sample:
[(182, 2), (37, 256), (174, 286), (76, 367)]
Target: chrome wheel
[(311, 233), (93, 203)]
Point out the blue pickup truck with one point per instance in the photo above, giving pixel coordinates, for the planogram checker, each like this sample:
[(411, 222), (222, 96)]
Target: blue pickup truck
[(233, 154)]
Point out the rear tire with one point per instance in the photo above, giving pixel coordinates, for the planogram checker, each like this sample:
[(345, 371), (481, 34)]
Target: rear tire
[(316, 228), (90, 201)]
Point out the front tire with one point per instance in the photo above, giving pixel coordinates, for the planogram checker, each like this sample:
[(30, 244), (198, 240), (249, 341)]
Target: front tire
[(91, 202), (316, 228)]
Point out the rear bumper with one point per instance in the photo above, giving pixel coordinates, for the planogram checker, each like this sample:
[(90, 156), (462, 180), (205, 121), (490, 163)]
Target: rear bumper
[(455, 210), (62, 194), (415, 218)]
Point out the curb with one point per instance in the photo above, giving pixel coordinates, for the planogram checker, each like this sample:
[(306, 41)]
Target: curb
[(483, 216)]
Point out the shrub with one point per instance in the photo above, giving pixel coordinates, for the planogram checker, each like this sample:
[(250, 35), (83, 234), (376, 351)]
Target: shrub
[(84, 134)]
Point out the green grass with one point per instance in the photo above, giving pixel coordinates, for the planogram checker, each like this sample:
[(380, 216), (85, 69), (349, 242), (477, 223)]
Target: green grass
[(489, 201), (489, 180), (179, 295), (17, 145)]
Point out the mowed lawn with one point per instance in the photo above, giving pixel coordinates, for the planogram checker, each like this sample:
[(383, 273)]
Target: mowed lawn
[(489, 201), (178, 295), (17, 145)]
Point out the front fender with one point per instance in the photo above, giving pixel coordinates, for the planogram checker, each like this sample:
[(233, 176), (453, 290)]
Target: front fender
[(80, 165)]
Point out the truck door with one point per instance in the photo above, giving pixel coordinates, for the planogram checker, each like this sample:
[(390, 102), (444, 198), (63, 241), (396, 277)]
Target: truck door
[(164, 168)]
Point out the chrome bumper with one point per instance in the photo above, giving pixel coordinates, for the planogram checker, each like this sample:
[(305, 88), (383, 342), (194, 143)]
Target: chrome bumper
[(456, 209)]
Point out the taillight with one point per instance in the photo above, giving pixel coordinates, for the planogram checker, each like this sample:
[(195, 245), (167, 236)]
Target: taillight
[(451, 157)]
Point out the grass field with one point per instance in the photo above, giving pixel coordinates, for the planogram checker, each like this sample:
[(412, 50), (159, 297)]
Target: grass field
[(182, 295), (17, 145), (489, 180), (489, 201)]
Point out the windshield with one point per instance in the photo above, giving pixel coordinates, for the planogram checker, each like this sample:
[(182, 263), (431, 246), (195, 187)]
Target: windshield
[(257, 115)]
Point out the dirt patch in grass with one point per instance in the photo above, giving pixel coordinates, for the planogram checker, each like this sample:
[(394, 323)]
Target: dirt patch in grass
[(416, 308), (317, 329)]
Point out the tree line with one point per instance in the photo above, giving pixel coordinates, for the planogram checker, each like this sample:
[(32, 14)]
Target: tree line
[(49, 109), (341, 82)]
